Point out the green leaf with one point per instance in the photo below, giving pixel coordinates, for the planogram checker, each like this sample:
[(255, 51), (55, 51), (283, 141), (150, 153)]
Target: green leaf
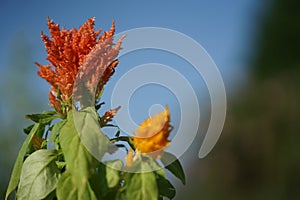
[(55, 130), (48, 120), (113, 169), (107, 179), (28, 129), (70, 188), (80, 129), (51, 196), (15, 176), (45, 118), (140, 186), (39, 175), (165, 188), (65, 188), (173, 165), (98, 181), (49, 112), (87, 126), (78, 160)]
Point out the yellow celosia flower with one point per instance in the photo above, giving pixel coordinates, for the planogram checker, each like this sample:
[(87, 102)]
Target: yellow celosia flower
[(151, 137)]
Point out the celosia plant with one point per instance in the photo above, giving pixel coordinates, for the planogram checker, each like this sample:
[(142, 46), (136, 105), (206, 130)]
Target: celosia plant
[(56, 161)]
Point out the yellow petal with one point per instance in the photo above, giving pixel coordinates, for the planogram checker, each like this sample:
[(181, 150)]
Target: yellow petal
[(129, 158), (152, 135)]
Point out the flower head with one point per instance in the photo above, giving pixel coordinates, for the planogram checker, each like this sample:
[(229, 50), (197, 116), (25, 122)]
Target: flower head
[(151, 137), (67, 51)]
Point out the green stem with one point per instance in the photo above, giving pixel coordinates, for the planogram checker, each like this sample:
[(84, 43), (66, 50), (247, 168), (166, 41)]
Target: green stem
[(125, 139)]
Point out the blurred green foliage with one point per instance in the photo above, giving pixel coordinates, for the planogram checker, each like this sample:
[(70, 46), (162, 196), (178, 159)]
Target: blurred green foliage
[(278, 43), (17, 99), (258, 154)]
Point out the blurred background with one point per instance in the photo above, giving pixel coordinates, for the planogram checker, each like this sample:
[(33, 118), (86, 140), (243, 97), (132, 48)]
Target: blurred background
[(254, 43)]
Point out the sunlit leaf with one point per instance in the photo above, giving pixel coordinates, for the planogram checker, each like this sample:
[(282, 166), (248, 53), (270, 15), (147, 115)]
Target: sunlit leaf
[(87, 126), (173, 165), (15, 176), (113, 169), (39, 175), (140, 186), (71, 188), (55, 130), (78, 160), (65, 188), (80, 164)]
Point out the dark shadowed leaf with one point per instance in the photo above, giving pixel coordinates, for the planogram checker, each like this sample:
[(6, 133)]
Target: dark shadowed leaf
[(45, 118), (173, 165), (28, 129), (165, 188)]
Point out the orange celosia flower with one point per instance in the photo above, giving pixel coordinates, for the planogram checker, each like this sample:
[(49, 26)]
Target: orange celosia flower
[(67, 51), (151, 137)]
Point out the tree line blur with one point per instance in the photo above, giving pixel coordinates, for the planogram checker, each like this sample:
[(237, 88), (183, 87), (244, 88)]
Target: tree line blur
[(258, 154)]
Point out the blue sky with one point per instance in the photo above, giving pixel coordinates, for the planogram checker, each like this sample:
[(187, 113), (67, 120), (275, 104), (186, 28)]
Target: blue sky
[(224, 28)]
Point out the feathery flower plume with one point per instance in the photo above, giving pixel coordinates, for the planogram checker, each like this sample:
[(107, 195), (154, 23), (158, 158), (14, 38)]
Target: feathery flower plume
[(67, 51)]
